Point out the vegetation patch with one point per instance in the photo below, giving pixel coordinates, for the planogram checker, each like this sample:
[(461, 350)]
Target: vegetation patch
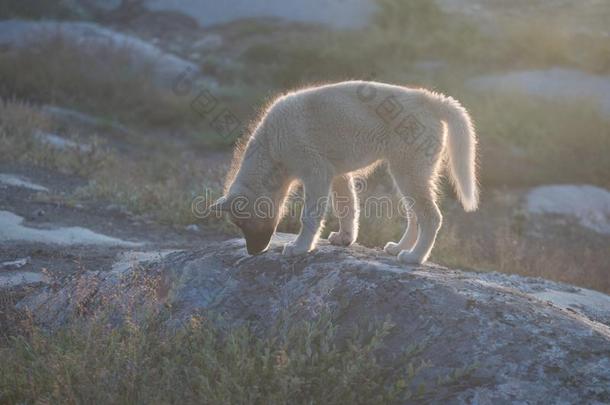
[(106, 83), (299, 362)]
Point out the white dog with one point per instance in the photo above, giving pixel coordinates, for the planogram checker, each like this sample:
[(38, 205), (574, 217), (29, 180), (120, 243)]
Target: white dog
[(322, 135)]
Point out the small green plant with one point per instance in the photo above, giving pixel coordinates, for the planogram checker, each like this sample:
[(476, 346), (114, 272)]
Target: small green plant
[(296, 362)]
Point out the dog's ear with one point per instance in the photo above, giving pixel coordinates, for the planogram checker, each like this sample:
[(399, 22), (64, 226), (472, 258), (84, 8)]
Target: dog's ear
[(223, 204)]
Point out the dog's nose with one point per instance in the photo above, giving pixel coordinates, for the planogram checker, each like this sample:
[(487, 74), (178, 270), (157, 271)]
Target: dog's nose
[(256, 251), (257, 243), (256, 248)]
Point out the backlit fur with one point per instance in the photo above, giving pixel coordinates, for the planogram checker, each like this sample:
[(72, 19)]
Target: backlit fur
[(321, 136)]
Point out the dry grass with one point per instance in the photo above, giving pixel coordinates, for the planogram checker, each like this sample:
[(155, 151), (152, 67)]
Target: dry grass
[(508, 251), (160, 184), (529, 140), (108, 83), (162, 188), (299, 362), (19, 122)]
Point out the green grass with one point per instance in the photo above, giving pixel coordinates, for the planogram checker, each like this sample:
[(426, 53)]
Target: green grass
[(297, 362)]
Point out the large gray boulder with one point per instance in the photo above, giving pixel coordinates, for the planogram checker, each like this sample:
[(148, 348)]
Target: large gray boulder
[(92, 37), (533, 341), (569, 85), (336, 14), (588, 205)]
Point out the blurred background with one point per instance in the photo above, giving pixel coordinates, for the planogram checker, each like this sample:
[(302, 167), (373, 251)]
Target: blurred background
[(127, 110)]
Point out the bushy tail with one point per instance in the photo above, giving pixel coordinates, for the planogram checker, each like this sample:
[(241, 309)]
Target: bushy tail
[(461, 146)]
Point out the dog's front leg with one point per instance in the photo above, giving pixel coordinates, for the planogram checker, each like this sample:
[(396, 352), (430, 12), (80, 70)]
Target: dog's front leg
[(316, 203)]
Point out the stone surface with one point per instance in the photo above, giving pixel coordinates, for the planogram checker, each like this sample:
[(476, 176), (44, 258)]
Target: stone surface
[(76, 117), (20, 278), (106, 5), (530, 344), (59, 142), (589, 205), (569, 85), (167, 67), (337, 14), (591, 17), (13, 229), (14, 264), (20, 181)]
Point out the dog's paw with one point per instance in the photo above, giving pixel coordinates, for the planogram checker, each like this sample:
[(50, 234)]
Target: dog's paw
[(290, 250), (408, 257), (392, 248), (340, 238)]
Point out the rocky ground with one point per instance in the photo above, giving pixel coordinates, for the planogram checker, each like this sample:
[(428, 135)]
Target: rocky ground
[(42, 231), (514, 338)]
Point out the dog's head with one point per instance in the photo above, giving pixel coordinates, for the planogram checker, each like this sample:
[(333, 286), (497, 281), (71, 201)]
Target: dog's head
[(256, 225)]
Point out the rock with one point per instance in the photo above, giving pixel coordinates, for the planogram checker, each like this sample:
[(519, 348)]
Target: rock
[(167, 67), (76, 117), (127, 260), (39, 213), (19, 181), (59, 142), (14, 264), (209, 42), (13, 229), (528, 348), (590, 18), (164, 24), (337, 14), (589, 205), (192, 228), (118, 209), (556, 83), (105, 5), (21, 278)]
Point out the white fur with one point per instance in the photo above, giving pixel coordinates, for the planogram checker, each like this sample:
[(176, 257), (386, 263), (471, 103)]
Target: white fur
[(321, 135)]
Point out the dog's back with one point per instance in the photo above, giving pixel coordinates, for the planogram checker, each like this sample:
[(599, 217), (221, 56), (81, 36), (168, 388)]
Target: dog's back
[(351, 125)]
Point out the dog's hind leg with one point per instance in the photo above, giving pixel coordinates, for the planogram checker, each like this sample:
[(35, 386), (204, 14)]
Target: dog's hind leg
[(347, 209), (430, 219), (419, 189), (408, 239)]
